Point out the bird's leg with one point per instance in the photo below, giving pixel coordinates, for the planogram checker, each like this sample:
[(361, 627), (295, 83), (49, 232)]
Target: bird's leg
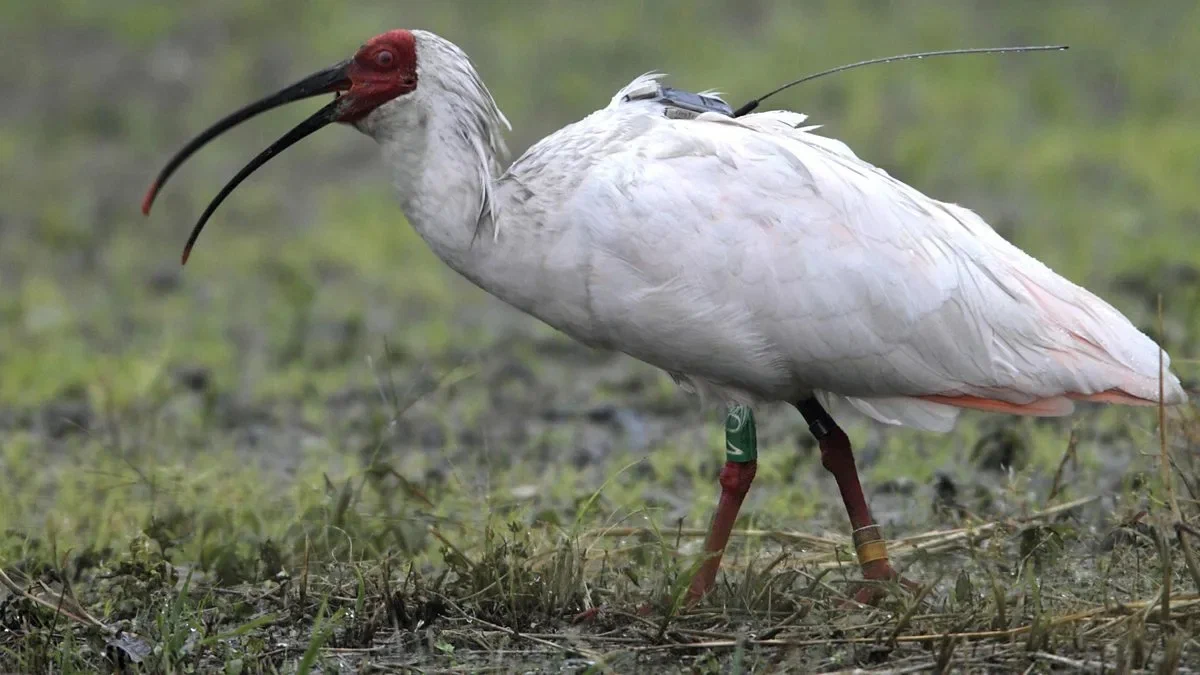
[(838, 459), (741, 462)]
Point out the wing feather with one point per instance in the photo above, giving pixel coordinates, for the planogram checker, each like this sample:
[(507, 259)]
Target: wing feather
[(759, 256)]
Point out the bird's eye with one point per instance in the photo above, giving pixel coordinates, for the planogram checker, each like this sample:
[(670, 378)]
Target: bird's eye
[(384, 59)]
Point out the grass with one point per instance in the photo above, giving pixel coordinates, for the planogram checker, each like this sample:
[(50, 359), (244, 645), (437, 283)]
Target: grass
[(205, 586), (316, 449)]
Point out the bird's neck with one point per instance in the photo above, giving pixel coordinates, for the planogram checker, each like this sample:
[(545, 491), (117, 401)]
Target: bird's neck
[(451, 199), (444, 142), (445, 157), (443, 184)]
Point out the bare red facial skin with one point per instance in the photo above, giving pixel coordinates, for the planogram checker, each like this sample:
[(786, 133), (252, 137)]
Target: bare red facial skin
[(384, 68)]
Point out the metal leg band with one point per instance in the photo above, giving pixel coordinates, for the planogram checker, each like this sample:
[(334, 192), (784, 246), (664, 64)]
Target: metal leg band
[(869, 545)]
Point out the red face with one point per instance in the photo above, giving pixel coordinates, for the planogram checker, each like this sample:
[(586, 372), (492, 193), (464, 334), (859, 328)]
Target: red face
[(383, 69)]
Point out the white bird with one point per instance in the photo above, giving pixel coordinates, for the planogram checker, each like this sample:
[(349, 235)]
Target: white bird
[(749, 257)]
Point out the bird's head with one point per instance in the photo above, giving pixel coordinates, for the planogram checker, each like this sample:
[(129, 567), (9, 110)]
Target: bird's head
[(383, 70)]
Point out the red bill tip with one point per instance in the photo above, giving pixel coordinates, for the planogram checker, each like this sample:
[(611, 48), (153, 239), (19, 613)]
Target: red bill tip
[(149, 198)]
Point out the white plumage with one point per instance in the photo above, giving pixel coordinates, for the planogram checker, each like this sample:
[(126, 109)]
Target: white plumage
[(751, 258)]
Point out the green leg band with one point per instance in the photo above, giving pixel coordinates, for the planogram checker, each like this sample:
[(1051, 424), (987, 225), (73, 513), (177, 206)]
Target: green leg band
[(741, 437)]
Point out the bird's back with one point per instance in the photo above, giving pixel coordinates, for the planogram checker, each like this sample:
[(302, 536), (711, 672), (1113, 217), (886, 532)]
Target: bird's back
[(759, 259)]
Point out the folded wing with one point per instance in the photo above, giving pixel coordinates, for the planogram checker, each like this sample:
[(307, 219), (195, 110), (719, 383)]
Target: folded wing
[(758, 238)]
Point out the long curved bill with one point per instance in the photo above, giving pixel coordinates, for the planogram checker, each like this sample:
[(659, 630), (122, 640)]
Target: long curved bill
[(331, 80)]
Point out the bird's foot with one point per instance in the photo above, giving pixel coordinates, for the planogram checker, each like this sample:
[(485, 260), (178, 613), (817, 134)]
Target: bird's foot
[(590, 615), (878, 571)]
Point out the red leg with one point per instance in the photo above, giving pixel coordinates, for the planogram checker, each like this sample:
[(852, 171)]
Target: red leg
[(741, 453), (838, 458), (735, 483)]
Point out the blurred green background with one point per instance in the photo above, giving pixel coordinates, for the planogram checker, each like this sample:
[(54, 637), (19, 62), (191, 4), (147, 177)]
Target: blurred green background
[(309, 302)]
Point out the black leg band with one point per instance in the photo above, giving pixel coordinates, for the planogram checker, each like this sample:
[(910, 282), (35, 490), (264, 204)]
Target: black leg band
[(820, 424)]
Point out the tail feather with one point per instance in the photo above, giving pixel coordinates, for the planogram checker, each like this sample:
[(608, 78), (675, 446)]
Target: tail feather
[(938, 413), (1114, 361), (1098, 352), (901, 411), (1052, 406)]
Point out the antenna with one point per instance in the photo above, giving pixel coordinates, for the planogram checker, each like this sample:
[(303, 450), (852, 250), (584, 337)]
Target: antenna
[(753, 103)]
